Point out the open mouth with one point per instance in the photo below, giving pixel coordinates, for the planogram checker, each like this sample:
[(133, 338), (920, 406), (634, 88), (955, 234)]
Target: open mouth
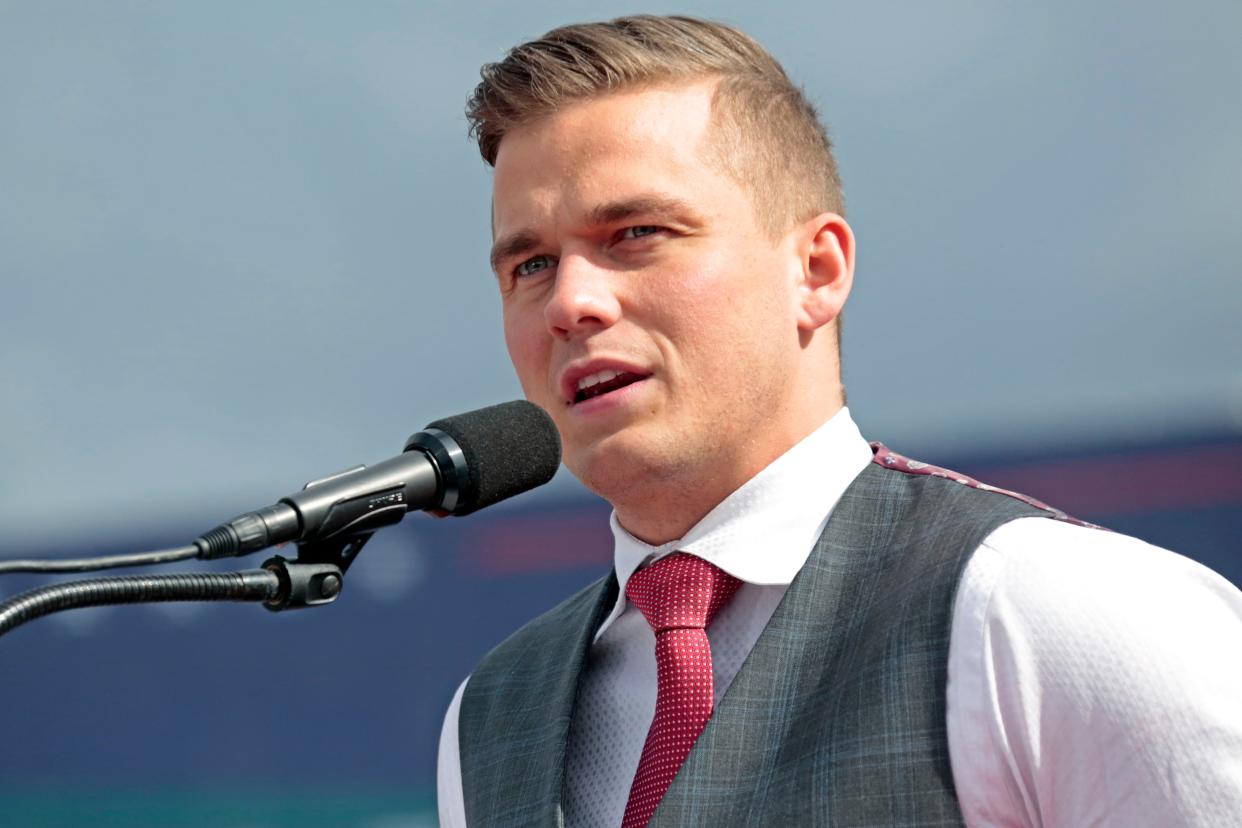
[(604, 382)]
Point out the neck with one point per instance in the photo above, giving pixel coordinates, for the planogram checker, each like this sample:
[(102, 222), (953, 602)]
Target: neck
[(671, 512), (659, 511)]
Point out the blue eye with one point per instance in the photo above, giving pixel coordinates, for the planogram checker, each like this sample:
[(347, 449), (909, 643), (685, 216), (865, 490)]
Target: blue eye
[(639, 231), (533, 265)]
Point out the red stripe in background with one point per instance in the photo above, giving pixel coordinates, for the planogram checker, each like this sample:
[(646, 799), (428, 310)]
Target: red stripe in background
[(1150, 481), (578, 537)]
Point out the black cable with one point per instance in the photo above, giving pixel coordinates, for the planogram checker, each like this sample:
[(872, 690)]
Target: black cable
[(180, 553), (248, 585)]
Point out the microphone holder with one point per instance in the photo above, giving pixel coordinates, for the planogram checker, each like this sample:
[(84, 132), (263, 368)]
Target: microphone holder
[(313, 579)]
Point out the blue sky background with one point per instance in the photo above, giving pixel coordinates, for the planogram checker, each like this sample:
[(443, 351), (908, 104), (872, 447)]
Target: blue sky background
[(244, 245)]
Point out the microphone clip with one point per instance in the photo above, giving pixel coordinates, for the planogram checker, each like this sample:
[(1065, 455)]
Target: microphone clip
[(317, 575)]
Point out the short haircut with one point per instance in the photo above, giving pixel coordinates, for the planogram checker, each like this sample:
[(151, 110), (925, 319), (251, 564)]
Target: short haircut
[(768, 136)]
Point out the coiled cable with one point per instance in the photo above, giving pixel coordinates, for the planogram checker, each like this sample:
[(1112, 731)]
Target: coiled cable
[(248, 585)]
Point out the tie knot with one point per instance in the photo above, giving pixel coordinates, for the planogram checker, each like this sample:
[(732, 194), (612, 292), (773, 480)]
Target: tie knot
[(680, 591)]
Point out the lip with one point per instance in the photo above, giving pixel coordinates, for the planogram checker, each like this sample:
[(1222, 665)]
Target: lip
[(575, 371), (622, 399)]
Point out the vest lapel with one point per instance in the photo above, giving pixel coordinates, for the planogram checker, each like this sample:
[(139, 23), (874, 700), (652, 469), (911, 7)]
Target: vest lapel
[(531, 728)]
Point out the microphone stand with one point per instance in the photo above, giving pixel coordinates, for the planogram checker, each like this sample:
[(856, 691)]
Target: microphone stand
[(313, 579)]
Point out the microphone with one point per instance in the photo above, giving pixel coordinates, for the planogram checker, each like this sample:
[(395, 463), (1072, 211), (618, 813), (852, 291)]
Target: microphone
[(455, 466)]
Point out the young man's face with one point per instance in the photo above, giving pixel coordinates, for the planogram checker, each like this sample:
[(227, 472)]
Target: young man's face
[(644, 305)]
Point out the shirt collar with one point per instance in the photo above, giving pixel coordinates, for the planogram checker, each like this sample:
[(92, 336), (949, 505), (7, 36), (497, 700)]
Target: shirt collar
[(764, 531)]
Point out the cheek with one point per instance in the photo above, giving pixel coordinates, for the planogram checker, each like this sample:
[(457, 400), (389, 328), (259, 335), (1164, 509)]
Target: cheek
[(691, 291), (729, 318), (720, 296)]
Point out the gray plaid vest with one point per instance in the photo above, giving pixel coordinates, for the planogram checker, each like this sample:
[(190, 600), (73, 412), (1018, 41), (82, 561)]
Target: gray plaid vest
[(837, 717)]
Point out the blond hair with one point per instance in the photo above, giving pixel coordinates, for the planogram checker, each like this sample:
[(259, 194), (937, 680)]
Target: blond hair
[(768, 136)]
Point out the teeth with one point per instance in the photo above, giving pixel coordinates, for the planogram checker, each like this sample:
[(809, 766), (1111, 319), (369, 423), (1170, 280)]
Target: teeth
[(596, 379)]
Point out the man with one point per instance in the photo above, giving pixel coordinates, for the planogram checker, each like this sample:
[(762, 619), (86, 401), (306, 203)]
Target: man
[(800, 629)]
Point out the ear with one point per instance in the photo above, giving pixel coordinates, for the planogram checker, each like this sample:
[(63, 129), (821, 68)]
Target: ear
[(827, 255)]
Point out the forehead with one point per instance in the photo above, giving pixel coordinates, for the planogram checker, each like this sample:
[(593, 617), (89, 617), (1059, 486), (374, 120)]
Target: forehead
[(649, 139)]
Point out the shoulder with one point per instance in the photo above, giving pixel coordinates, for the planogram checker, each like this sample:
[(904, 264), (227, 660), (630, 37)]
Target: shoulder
[(1041, 576), (516, 706), (545, 642), (577, 609), (1094, 675)]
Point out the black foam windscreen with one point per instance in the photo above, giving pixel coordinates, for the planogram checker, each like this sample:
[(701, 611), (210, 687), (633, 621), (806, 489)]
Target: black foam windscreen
[(509, 449)]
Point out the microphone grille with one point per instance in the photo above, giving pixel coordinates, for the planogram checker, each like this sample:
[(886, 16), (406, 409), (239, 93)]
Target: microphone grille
[(509, 449)]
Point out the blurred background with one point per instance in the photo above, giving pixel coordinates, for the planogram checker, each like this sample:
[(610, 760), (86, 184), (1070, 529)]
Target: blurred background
[(244, 245)]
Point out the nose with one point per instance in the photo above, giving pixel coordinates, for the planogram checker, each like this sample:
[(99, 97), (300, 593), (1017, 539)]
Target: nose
[(582, 298)]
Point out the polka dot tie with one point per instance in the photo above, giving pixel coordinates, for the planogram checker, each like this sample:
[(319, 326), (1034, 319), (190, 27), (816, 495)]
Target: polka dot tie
[(679, 595)]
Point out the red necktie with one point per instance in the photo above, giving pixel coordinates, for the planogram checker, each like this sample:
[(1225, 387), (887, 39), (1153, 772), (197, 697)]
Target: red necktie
[(679, 595)]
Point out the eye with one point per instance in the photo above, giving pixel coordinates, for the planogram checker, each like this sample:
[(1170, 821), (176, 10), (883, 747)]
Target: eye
[(640, 231), (533, 265)]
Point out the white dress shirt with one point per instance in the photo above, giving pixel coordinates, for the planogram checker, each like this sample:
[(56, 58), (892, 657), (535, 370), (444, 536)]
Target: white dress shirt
[(1092, 679)]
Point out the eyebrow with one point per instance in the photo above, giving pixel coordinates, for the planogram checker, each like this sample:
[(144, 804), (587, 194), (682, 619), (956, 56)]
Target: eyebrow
[(625, 208), (513, 244), (524, 241)]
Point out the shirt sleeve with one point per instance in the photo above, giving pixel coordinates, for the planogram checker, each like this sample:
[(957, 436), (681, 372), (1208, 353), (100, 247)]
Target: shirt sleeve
[(449, 799), (1094, 679)]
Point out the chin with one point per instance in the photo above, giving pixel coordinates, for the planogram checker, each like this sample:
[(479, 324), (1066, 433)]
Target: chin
[(608, 474), (621, 466)]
